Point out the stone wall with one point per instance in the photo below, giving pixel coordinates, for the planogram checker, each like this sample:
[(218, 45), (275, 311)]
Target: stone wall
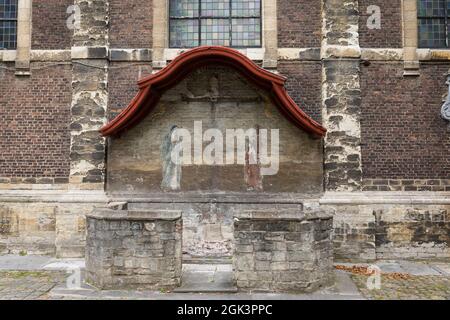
[(403, 135), (139, 250), (131, 23), (341, 95), (122, 84), (283, 251), (45, 222), (135, 160), (304, 85), (389, 225), (34, 117), (89, 94), (390, 34), (299, 23), (50, 31)]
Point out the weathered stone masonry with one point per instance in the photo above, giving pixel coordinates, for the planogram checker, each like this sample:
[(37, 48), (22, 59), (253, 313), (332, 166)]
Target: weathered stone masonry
[(89, 94), (386, 161), (134, 249), (341, 95), (283, 251)]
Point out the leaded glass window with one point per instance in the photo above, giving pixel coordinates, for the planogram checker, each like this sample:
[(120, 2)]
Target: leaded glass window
[(231, 23), (433, 16), (8, 24)]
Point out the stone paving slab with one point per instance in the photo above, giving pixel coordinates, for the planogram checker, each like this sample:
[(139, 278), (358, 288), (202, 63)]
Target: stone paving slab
[(26, 262), (65, 264), (207, 278), (443, 268)]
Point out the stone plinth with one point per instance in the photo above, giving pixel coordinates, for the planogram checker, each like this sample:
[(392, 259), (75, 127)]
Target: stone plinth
[(283, 251), (130, 249)]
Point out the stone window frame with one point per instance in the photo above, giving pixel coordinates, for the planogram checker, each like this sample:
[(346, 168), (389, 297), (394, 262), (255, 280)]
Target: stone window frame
[(22, 54), (412, 54), (162, 53), (410, 37)]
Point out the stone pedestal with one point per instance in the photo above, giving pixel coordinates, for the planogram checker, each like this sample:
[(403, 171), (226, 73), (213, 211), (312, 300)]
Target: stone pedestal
[(283, 251), (129, 249)]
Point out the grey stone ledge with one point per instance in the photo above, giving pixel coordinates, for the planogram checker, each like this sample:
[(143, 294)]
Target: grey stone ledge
[(50, 55), (278, 215), (215, 197), (59, 196), (89, 53), (386, 197), (130, 54), (135, 215)]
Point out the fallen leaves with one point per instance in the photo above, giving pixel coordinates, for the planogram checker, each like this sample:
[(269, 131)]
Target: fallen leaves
[(367, 271)]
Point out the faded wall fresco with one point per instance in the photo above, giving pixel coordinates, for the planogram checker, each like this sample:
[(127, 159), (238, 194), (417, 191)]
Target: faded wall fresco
[(139, 162)]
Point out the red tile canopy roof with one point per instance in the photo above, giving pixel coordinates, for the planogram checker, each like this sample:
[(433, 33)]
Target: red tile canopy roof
[(152, 87)]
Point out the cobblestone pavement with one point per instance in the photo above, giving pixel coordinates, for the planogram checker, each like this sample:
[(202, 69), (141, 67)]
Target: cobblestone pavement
[(412, 288), (28, 285), (45, 278)]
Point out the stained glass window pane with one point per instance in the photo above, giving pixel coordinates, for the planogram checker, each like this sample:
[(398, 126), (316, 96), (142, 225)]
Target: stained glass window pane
[(8, 24), (246, 8), (8, 34), (246, 32), (184, 8), (184, 33), (432, 33), (215, 8), (431, 8), (217, 22), (215, 32)]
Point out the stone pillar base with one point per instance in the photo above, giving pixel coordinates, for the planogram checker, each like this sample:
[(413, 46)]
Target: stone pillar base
[(283, 251), (129, 249)]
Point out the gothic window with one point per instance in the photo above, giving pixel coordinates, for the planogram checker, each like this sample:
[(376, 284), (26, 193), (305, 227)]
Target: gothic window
[(8, 24), (232, 23), (433, 21)]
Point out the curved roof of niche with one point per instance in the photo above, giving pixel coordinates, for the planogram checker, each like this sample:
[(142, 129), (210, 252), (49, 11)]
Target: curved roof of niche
[(152, 87)]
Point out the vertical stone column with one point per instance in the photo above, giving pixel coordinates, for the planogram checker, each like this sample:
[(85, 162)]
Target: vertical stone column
[(160, 33), (89, 95), (23, 37), (341, 95), (270, 38), (410, 38)]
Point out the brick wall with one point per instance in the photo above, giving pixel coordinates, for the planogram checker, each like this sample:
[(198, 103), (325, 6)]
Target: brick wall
[(122, 84), (299, 23), (49, 29), (304, 85), (390, 34), (35, 114), (403, 135), (130, 23)]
